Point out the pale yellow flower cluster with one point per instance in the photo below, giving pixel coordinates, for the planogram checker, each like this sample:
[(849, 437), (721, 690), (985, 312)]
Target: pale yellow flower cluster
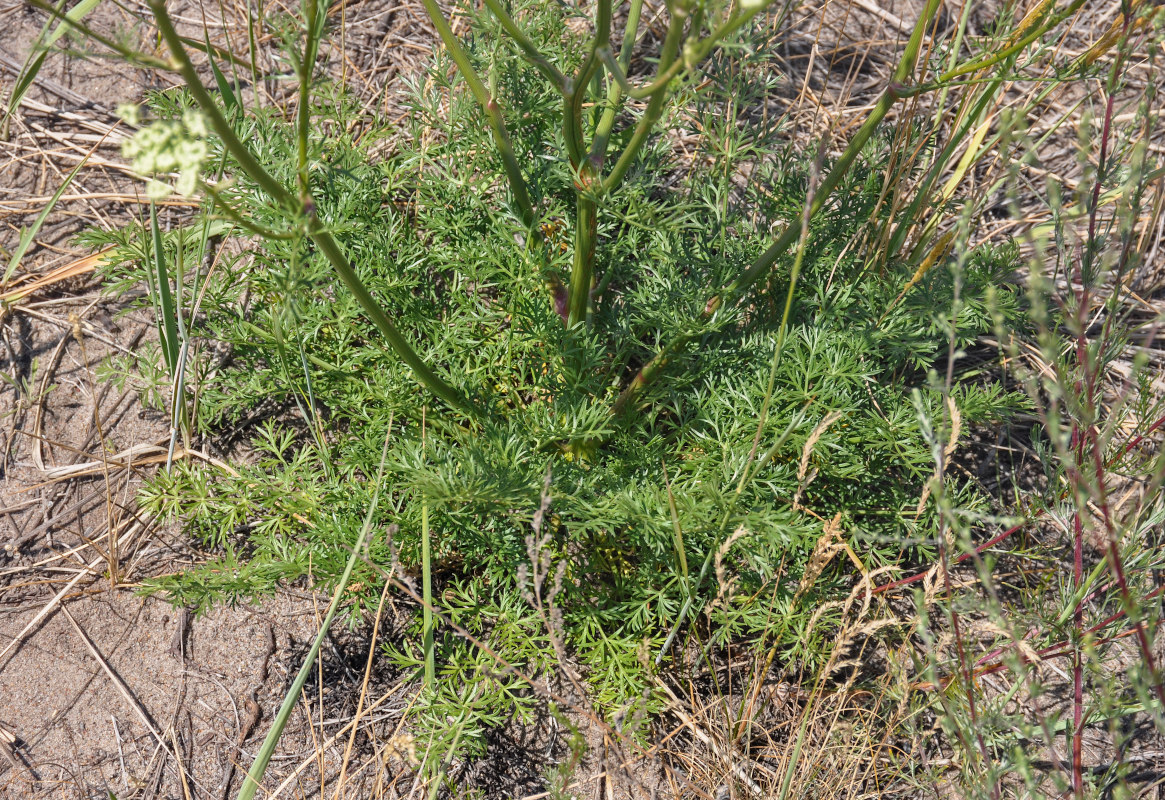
[(167, 146)]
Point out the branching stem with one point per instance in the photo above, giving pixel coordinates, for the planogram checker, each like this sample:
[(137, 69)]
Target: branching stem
[(527, 46), (732, 294), (492, 111), (322, 238)]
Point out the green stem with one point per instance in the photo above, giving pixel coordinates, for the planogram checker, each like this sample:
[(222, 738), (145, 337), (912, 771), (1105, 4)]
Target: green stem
[(589, 185), (322, 238), (695, 53), (303, 115), (586, 208), (670, 66), (992, 86), (236, 148), (1012, 49), (732, 293), (331, 250), (133, 57), (841, 168), (922, 192), (606, 124), (254, 20), (581, 274), (956, 48), (578, 85), (527, 46), (224, 205), (427, 596), (492, 111), (655, 106)]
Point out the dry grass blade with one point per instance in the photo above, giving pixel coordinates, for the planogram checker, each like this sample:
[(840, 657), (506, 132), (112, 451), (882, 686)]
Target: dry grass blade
[(45, 41), (829, 545), (363, 689), (735, 762), (804, 477), (29, 235), (136, 456), (8, 750), (126, 693), (55, 601), (313, 758), (81, 266)]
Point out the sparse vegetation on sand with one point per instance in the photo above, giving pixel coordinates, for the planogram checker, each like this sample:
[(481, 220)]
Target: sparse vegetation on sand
[(742, 451)]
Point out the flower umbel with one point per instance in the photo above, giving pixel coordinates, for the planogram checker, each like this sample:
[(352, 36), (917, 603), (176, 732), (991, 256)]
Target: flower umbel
[(169, 146)]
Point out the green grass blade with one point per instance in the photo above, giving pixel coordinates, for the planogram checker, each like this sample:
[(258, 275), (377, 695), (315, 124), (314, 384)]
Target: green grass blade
[(29, 234), (229, 100), (168, 324), (23, 82), (39, 50), (259, 766), (794, 758), (75, 14)]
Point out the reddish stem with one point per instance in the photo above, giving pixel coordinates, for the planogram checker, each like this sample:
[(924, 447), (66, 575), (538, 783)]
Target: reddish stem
[(1124, 451), (1064, 648), (1077, 661), (1139, 629)]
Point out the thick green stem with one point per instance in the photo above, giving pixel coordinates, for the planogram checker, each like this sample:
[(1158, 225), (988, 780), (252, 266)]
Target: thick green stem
[(765, 261), (581, 274), (527, 46), (224, 205), (671, 63), (655, 105), (572, 125), (615, 91), (322, 238), (226, 133), (427, 596), (586, 209), (331, 250), (732, 293), (841, 168), (588, 183), (492, 111), (303, 114), (695, 52)]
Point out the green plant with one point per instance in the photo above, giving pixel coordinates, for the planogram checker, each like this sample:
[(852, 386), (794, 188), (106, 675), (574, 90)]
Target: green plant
[(621, 531), (717, 377)]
